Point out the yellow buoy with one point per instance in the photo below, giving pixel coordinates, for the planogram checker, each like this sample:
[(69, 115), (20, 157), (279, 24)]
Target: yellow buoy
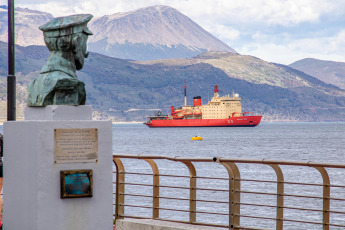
[(196, 138)]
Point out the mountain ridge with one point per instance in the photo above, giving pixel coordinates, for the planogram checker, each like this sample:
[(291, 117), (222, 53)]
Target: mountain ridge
[(328, 71), (155, 32), (27, 22), (123, 90), (158, 31)]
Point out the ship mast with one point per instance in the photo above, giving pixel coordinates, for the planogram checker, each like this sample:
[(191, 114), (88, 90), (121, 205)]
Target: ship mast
[(216, 91), (185, 93)]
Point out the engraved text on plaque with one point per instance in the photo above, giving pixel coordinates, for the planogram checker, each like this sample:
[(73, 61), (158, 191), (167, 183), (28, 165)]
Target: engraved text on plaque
[(75, 145)]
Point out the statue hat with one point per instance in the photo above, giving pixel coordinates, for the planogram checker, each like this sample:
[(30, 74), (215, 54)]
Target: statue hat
[(64, 26)]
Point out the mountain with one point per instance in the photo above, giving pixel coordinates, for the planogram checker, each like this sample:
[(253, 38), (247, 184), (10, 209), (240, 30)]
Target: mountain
[(26, 25), (158, 32), (125, 90), (327, 71)]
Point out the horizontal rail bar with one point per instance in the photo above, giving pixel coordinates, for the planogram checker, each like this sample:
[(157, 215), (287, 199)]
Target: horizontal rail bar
[(177, 187), (336, 198), (150, 174), (138, 184), (336, 212), (336, 186), (186, 199), (284, 182), (306, 222), (172, 175), (174, 198), (249, 180), (339, 199), (220, 159), (159, 157), (336, 225), (257, 217), (277, 162), (275, 194), (286, 207), (135, 206), (175, 210), (291, 195)]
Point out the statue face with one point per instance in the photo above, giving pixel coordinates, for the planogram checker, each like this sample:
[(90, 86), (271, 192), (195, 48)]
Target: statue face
[(81, 51)]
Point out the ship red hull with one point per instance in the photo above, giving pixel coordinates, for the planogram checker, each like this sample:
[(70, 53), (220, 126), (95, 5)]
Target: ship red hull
[(244, 121)]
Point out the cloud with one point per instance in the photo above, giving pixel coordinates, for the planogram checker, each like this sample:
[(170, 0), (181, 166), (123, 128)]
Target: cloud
[(291, 50), (226, 33), (280, 30), (266, 11)]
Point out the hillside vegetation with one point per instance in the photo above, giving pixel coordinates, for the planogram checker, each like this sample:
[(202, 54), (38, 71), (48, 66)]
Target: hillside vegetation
[(327, 71), (128, 91)]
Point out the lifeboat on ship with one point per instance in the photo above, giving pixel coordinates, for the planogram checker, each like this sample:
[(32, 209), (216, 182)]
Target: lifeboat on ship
[(236, 114), (245, 113), (197, 113), (177, 111)]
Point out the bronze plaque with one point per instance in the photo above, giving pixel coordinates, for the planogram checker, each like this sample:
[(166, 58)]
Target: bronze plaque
[(76, 183), (75, 145)]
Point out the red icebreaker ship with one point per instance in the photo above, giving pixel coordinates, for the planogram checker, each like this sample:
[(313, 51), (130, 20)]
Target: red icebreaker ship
[(219, 112)]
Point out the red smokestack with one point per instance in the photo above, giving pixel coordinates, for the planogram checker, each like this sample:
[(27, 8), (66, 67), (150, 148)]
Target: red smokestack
[(197, 101)]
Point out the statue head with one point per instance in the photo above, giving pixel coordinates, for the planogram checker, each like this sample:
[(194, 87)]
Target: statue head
[(68, 36)]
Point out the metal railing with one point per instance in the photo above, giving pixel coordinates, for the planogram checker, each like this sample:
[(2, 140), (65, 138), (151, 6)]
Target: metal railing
[(312, 197)]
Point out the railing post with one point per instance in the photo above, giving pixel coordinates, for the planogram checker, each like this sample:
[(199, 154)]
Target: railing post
[(192, 191), (236, 189), (155, 188), (326, 196), (234, 192), (280, 196), (120, 189)]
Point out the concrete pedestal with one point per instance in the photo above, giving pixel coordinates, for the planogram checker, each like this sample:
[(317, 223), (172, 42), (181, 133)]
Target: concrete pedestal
[(32, 179)]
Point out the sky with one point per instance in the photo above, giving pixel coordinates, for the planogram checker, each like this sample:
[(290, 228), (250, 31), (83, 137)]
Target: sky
[(280, 31)]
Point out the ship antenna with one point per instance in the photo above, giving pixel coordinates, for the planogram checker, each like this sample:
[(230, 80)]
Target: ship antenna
[(216, 91), (185, 93)]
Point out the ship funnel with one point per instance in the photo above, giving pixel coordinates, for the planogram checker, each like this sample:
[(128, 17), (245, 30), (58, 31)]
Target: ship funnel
[(197, 101)]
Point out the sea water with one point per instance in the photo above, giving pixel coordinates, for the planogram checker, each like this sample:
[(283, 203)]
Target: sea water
[(314, 141), (319, 142), (288, 141)]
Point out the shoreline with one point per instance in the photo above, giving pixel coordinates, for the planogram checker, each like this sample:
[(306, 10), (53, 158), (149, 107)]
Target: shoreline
[(267, 121)]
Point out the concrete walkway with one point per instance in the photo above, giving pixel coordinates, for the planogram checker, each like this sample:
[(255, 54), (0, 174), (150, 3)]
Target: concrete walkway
[(149, 224)]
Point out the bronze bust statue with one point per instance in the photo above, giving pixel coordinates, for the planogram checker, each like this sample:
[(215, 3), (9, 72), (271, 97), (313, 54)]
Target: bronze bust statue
[(57, 84)]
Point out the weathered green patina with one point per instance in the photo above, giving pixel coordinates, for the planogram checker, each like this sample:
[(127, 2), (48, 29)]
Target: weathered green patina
[(57, 83)]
